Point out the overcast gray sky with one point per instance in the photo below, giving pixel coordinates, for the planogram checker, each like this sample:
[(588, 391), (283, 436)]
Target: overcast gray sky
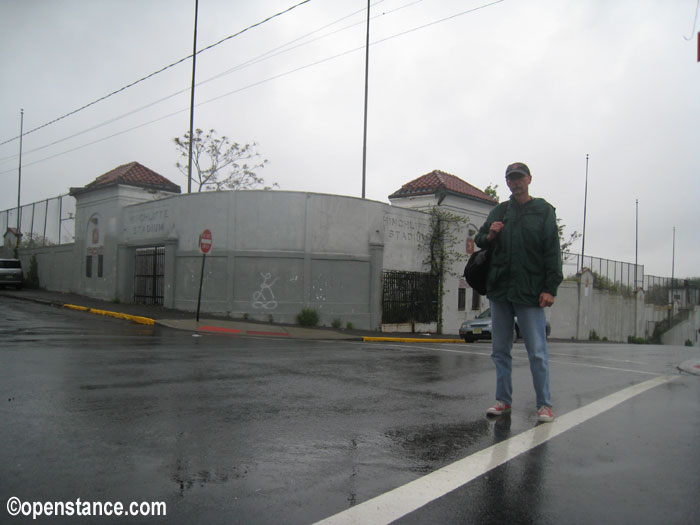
[(452, 87)]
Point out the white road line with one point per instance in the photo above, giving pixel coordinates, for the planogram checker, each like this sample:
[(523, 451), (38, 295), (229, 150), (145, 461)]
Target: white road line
[(436, 348), (407, 498), (617, 369), (574, 356), (457, 351)]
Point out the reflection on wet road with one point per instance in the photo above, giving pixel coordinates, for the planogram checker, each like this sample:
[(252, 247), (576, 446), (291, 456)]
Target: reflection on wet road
[(253, 430)]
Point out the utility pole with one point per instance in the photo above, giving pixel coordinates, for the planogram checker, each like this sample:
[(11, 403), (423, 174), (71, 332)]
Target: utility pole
[(585, 201), (636, 266), (636, 242), (364, 141), (194, 68), (19, 176), (673, 279)]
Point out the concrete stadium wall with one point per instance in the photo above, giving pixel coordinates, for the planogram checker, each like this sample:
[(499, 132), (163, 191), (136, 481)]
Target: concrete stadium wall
[(611, 316), (274, 253), (687, 330), (653, 314), (580, 309), (54, 264), (562, 316)]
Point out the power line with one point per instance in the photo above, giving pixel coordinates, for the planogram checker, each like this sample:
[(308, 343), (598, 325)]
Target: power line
[(418, 28), (256, 60), (100, 139), (327, 59), (132, 84), (97, 126), (257, 83), (281, 49)]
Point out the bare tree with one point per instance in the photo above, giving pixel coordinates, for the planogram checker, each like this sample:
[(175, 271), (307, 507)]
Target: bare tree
[(444, 234), (219, 164), (573, 237)]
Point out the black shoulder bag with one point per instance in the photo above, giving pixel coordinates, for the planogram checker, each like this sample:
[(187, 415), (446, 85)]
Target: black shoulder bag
[(477, 269)]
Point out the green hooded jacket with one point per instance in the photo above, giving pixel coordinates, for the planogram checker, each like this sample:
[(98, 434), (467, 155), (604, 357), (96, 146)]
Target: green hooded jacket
[(526, 256)]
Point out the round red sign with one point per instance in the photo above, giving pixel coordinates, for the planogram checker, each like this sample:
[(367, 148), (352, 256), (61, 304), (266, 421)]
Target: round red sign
[(205, 241)]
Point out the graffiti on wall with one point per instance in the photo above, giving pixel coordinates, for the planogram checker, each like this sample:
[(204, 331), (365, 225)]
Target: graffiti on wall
[(264, 298)]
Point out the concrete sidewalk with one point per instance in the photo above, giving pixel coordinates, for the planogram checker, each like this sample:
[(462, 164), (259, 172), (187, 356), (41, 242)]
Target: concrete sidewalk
[(180, 320)]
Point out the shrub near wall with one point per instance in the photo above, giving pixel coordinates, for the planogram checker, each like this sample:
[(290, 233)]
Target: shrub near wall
[(308, 317), (32, 280), (55, 266)]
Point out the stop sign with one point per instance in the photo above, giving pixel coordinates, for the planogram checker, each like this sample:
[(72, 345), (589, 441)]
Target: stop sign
[(205, 241)]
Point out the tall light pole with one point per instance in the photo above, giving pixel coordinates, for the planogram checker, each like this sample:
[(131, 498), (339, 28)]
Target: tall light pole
[(194, 68), (585, 201), (673, 276), (636, 242), (364, 141), (19, 175)]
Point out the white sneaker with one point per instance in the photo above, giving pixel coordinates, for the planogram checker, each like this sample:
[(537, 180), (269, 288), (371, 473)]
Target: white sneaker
[(545, 414), (498, 409)]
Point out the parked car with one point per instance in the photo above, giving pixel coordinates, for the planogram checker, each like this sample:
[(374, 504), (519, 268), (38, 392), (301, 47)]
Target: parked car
[(480, 328), (11, 273)]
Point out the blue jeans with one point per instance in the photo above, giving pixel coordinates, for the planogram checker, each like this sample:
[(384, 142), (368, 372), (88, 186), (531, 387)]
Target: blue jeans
[(533, 328)]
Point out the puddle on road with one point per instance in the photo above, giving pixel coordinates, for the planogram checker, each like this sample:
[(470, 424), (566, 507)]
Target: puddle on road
[(436, 443), (187, 480)]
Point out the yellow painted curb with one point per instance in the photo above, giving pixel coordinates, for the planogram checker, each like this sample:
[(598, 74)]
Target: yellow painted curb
[(141, 320), (76, 307), (408, 340), (118, 315)]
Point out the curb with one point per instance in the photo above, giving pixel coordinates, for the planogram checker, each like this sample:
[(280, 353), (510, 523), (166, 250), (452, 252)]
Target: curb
[(118, 315), (692, 366), (408, 340), (236, 331)]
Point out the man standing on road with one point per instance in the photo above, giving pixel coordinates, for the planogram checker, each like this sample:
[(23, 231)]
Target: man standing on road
[(523, 278)]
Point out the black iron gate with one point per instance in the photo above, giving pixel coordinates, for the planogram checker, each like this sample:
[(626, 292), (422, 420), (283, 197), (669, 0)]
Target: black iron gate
[(409, 297), (149, 270)]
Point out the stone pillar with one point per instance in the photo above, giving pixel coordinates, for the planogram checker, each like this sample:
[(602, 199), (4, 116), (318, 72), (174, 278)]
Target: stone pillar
[(308, 246), (639, 313), (170, 271), (376, 266), (125, 274), (585, 295)]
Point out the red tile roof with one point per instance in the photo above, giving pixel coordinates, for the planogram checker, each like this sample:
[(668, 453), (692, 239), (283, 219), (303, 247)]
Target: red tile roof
[(438, 182), (132, 174)]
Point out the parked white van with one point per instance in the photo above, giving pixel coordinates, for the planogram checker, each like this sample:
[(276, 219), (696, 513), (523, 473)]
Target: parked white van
[(11, 273)]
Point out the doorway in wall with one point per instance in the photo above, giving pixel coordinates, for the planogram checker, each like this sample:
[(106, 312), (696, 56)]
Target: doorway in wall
[(149, 273)]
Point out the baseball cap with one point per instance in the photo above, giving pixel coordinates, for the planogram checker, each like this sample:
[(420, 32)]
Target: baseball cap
[(517, 167)]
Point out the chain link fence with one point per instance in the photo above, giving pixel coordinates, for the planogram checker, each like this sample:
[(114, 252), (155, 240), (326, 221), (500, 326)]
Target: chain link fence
[(43, 223), (624, 278), (611, 275), (664, 290)]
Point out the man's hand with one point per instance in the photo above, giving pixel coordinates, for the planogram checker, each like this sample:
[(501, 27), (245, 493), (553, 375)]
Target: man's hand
[(546, 300), (494, 230)]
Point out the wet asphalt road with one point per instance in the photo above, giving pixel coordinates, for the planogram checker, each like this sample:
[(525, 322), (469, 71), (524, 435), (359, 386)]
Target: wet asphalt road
[(258, 430)]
